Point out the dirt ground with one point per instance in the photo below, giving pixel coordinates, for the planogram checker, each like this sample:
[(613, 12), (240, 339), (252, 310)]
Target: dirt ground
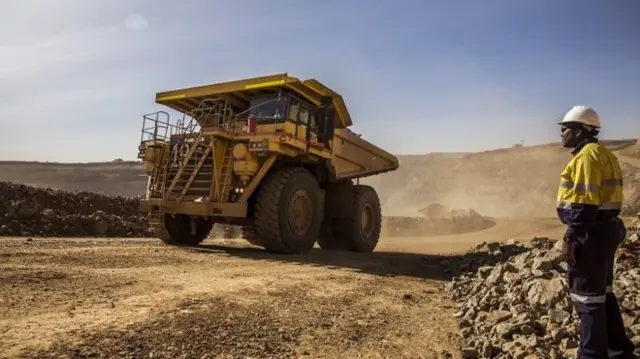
[(90, 298)]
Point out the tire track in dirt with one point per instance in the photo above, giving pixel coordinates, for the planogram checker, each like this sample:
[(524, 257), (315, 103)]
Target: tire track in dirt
[(285, 323), (141, 298), (136, 298)]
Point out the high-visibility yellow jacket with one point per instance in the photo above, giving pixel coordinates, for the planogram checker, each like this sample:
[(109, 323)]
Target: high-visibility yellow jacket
[(590, 188)]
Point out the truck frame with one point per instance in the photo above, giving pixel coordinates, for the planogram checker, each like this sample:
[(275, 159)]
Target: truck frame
[(271, 154)]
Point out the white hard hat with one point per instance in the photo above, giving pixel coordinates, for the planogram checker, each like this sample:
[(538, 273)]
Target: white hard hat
[(582, 114)]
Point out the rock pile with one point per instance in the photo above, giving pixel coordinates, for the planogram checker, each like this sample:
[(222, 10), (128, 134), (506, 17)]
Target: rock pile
[(632, 208), (631, 178), (515, 304), (635, 225), (29, 211)]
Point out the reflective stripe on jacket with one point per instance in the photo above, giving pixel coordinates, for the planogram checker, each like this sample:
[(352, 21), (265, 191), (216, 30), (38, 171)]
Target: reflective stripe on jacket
[(590, 188)]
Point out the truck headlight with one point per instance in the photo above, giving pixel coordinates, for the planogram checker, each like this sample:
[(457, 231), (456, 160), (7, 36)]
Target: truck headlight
[(259, 145)]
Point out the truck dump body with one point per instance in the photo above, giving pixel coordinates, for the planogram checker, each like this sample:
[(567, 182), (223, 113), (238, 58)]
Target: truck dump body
[(352, 156)]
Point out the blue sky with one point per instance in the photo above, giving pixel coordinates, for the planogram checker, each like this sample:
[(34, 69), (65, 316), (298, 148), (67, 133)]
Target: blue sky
[(418, 76)]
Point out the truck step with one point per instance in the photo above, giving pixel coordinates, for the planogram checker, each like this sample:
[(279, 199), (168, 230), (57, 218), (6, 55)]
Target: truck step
[(189, 170), (194, 160), (198, 192)]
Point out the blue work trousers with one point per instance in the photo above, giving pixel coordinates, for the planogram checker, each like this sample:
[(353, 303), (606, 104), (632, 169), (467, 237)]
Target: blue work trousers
[(602, 332)]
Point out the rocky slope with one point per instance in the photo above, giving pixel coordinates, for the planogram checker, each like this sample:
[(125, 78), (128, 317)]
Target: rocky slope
[(118, 178), (631, 177), (29, 211), (514, 300), (632, 151), (512, 182)]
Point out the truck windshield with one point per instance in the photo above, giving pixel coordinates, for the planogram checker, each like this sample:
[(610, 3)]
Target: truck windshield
[(268, 108)]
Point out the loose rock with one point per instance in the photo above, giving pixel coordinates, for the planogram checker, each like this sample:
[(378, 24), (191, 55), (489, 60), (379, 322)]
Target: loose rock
[(514, 300), (29, 211)]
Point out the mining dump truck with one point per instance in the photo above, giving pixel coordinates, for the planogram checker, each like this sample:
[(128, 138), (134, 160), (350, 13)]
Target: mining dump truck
[(273, 155)]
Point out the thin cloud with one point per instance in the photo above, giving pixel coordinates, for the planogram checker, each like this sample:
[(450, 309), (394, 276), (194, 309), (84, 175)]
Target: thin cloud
[(69, 49), (412, 75)]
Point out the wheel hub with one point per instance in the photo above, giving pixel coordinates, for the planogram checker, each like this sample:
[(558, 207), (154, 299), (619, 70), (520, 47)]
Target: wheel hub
[(300, 212), (367, 220)]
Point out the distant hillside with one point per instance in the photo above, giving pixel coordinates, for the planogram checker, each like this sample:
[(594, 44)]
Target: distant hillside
[(113, 178), (501, 182), (632, 151)]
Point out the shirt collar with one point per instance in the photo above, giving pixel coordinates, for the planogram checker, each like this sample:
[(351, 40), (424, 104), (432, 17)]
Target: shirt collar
[(582, 144)]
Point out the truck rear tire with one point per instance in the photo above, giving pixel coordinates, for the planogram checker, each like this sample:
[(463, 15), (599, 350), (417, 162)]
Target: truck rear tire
[(328, 239), (361, 231), (289, 211), (177, 230)]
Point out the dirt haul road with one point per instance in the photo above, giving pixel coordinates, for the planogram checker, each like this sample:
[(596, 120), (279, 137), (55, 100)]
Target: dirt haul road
[(112, 298)]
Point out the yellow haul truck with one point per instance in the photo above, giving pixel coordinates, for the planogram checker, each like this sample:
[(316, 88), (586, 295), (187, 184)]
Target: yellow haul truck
[(272, 155)]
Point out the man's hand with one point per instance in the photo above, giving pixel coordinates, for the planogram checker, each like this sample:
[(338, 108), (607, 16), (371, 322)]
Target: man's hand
[(569, 250)]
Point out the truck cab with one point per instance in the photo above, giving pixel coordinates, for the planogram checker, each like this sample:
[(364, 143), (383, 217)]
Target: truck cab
[(292, 115)]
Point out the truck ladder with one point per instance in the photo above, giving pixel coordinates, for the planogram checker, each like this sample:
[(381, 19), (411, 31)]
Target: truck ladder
[(161, 174), (224, 172), (184, 163), (194, 173)]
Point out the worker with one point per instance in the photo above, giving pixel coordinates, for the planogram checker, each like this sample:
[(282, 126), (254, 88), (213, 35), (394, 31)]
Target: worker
[(589, 203)]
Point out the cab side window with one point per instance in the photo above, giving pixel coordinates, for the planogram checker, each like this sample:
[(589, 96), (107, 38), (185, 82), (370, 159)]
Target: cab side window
[(313, 124), (294, 109), (304, 116)]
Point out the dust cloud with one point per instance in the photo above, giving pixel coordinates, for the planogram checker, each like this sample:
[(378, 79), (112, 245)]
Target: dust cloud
[(508, 183)]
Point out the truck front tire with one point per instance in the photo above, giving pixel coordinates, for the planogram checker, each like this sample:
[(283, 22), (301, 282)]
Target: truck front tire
[(176, 230), (289, 211)]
